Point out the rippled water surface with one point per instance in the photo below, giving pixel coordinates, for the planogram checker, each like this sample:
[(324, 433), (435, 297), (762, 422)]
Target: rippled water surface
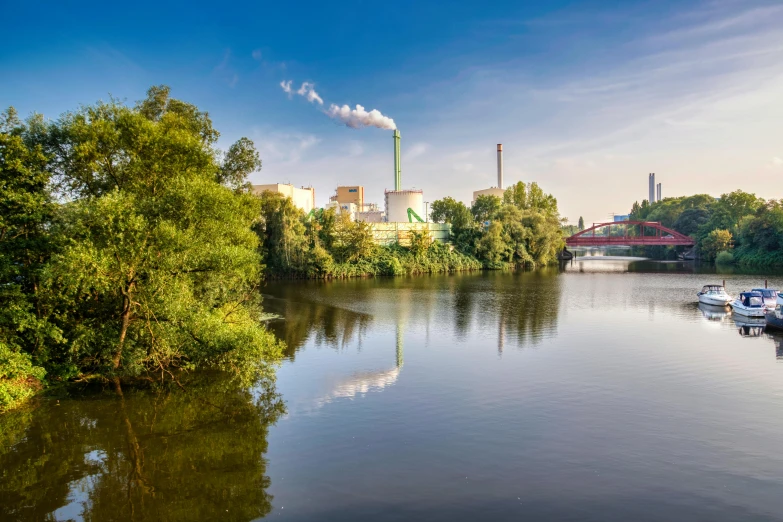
[(597, 392)]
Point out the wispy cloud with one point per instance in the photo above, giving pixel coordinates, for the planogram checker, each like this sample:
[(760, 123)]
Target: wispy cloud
[(286, 86), (308, 91), (257, 54)]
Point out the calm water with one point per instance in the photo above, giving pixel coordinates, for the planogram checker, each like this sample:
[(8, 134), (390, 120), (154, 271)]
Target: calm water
[(602, 392)]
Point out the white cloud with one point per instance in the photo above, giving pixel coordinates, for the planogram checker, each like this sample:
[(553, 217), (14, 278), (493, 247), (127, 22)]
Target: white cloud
[(777, 162), (257, 54), (308, 91), (286, 86)]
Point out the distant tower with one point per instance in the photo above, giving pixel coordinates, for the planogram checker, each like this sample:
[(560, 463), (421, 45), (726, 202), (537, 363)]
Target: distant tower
[(658, 195), (651, 181), (500, 165), (397, 169)]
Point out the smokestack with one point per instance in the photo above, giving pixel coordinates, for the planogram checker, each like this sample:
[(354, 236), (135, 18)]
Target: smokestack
[(500, 165), (397, 175), (658, 195), (651, 181)]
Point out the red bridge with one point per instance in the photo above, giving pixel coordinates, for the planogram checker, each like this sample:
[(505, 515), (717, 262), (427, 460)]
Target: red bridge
[(634, 233)]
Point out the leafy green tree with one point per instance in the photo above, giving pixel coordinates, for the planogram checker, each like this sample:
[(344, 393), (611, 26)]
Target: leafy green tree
[(26, 209), (581, 224), (157, 260), (283, 234), (353, 240), (716, 241), (690, 220), (485, 208), (449, 210)]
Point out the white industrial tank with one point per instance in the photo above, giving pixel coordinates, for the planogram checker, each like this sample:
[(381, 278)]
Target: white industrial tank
[(399, 201)]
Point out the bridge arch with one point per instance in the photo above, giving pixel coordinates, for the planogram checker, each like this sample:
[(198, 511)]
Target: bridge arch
[(662, 235)]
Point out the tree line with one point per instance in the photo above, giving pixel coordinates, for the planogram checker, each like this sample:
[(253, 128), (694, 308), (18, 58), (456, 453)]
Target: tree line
[(736, 227)]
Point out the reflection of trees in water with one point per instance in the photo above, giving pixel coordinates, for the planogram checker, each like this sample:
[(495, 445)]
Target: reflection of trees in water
[(523, 305), (325, 324), (147, 454)]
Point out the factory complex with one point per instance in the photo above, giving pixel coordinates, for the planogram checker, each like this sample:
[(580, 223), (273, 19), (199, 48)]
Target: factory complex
[(403, 210)]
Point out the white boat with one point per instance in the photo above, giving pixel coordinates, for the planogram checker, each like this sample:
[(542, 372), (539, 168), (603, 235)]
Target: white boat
[(770, 296), (714, 295), (749, 304)]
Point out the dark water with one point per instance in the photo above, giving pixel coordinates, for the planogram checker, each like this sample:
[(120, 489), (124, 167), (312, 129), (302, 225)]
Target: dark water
[(599, 393)]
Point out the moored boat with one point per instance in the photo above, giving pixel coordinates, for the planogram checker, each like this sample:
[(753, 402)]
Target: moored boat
[(714, 295), (749, 304), (770, 296), (774, 318)]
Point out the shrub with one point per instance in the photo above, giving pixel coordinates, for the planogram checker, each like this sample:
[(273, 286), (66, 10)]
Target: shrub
[(724, 257), (19, 378)]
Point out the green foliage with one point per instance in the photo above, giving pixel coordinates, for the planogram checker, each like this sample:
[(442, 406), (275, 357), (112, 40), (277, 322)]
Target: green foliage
[(485, 208), (754, 225), (581, 224), (149, 262), (724, 258), (523, 230), (19, 378), (716, 241)]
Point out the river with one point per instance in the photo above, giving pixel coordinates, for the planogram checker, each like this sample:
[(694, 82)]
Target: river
[(598, 391)]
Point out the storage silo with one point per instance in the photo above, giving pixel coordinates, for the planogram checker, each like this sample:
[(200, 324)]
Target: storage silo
[(399, 201)]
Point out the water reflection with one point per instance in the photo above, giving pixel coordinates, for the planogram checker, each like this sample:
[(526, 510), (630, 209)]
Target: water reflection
[(749, 326), (714, 313), (519, 309), (143, 454)]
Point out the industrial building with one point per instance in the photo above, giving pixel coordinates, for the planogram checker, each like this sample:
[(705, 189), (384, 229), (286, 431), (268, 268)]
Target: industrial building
[(493, 191), (344, 195), (303, 198)]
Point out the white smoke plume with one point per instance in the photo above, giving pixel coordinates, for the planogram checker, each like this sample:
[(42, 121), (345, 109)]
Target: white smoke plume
[(286, 85), (359, 117), (308, 91)]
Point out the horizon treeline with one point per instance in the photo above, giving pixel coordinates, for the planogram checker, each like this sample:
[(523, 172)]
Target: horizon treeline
[(737, 227)]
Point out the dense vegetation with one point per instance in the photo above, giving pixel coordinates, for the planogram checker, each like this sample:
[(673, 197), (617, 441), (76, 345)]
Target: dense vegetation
[(522, 229), (330, 245), (737, 227), (126, 248)]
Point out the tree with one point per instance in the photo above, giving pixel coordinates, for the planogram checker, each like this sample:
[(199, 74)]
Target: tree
[(716, 241), (449, 210), (240, 160), (485, 208), (691, 220), (581, 224), (157, 261), (25, 210)]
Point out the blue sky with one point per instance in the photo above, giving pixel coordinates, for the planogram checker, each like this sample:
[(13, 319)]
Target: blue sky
[(587, 97)]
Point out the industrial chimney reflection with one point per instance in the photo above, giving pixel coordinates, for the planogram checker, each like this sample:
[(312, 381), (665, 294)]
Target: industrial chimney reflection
[(359, 384)]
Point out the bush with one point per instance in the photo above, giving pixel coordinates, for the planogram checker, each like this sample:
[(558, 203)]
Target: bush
[(724, 258), (19, 378)]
